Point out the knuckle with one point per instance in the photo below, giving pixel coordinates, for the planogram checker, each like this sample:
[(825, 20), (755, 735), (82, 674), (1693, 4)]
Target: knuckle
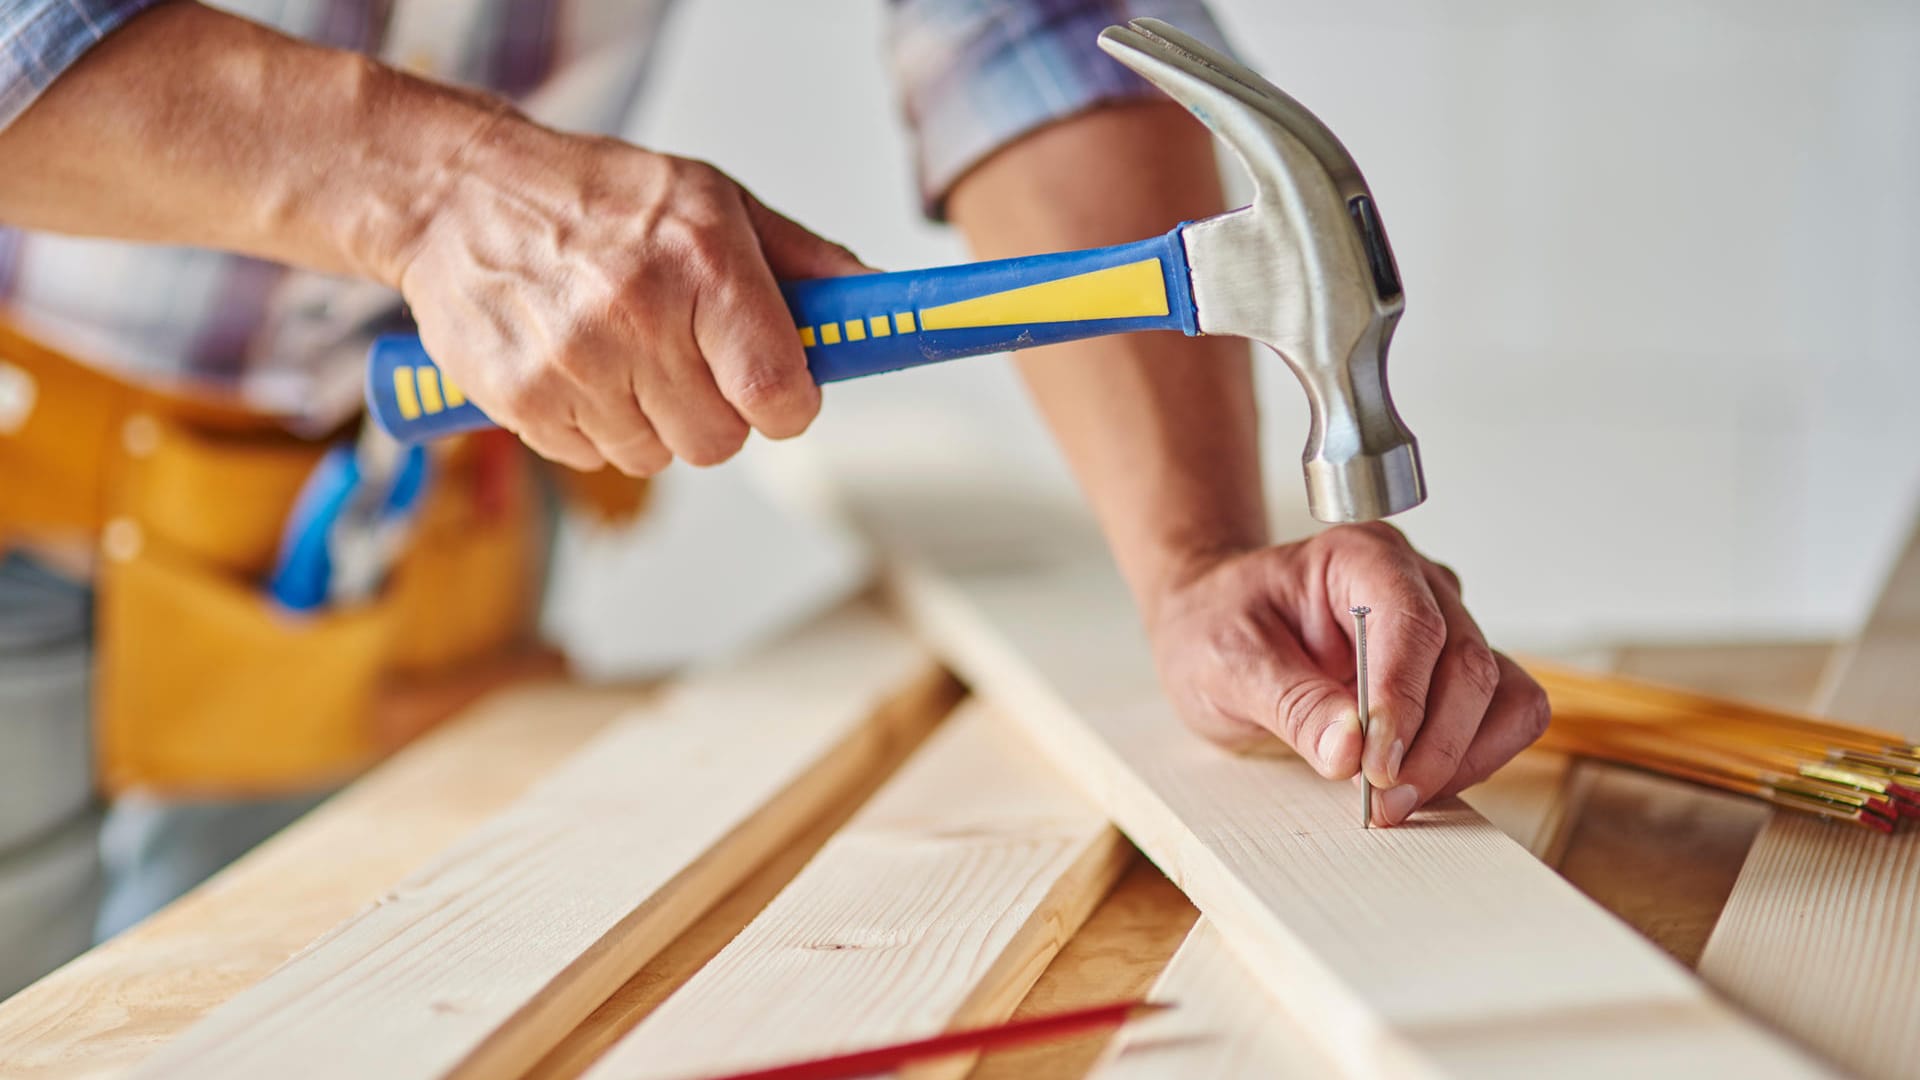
[(1479, 669), (716, 446), (1447, 573), (1536, 711), (1295, 707), (1444, 748), (1423, 626), (772, 391)]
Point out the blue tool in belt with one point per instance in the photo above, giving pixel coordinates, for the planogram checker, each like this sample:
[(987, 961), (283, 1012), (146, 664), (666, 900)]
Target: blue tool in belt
[(347, 524)]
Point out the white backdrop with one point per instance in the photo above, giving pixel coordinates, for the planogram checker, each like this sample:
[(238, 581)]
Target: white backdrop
[(1662, 261)]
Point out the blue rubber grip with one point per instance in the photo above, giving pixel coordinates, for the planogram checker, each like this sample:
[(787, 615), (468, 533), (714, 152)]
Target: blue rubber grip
[(874, 323)]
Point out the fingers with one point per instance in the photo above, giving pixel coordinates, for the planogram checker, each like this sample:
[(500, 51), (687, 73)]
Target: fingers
[(747, 336), (795, 253), (1270, 682), (1461, 688), (1516, 717), (1406, 634)]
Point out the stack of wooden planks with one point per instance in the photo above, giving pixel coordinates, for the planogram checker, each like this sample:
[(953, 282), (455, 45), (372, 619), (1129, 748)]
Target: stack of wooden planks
[(830, 844)]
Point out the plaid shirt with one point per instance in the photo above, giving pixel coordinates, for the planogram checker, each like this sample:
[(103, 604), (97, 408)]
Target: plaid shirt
[(973, 75)]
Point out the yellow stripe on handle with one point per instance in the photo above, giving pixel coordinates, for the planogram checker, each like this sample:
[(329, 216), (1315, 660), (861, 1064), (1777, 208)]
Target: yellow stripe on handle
[(403, 393), (1132, 291), (455, 398), (430, 399)]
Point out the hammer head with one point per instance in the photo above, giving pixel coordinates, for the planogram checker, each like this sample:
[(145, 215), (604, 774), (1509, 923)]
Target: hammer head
[(1304, 270)]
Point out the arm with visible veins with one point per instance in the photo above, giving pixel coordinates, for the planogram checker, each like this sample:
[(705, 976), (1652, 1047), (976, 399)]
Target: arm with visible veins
[(606, 303)]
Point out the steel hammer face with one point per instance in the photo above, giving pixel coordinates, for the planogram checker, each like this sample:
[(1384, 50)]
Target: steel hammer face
[(1304, 270)]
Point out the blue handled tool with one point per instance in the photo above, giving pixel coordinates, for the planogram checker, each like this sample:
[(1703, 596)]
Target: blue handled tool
[(873, 323), (1305, 270)]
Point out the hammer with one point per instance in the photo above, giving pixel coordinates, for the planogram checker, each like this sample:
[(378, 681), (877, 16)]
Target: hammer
[(1304, 270)]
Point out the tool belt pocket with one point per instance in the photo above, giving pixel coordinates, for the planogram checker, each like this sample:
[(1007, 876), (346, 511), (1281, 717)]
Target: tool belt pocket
[(204, 685)]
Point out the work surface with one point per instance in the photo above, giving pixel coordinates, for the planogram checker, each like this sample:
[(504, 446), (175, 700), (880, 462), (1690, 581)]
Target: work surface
[(1661, 856)]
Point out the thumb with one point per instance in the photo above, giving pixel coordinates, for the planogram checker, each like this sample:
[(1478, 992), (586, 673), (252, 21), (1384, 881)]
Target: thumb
[(793, 252), (1313, 713)]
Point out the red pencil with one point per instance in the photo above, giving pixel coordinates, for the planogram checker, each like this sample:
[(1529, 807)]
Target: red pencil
[(993, 1037)]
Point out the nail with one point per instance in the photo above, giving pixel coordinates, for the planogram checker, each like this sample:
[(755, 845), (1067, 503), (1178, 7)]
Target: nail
[(1397, 803), (1394, 753), (1334, 740)]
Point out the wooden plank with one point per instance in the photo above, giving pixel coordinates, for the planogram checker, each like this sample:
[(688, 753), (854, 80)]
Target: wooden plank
[(1223, 1025), (1118, 953), (1437, 948), (701, 942), (1534, 799), (937, 906), (480, 962), (108, 1009), (1821, 934)]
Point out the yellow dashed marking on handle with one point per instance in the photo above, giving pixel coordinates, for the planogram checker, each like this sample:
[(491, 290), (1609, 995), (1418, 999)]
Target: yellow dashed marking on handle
[(830, 333), (881, 327), (856, 330), (430, 399), (403, 393), (455, 398), (806, 337), (903, 322)]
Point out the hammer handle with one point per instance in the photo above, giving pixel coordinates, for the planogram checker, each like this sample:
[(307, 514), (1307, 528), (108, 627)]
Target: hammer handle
[(874, 323)]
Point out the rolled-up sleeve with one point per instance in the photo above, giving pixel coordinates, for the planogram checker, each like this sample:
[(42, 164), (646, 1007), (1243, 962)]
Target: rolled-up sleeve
[(974, 75), (40, 39)]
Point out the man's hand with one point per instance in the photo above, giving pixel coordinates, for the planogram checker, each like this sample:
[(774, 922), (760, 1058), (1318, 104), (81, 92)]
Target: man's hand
[(612, 305), (607, 303), (1260, 642)]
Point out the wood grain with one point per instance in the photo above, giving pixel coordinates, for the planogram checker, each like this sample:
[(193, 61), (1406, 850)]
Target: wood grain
[(108, 1009), (936, 907), (694, 949), (1442, 947), (1118, 954), (1223, 1025), (478, 963), (1821, 934)]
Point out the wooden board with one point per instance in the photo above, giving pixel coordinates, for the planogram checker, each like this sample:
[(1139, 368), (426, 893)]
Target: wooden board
[(110, 1008), (1223, 1024), (1118, 953), (1821, 934), (937, 906), (481, 961), (1437, 948)]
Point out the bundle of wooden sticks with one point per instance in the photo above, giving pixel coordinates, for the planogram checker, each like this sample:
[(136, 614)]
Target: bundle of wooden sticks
[(1837, 771)]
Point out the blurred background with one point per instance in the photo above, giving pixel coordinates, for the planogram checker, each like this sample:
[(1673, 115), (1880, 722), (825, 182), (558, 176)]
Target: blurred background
[(1662, 264)]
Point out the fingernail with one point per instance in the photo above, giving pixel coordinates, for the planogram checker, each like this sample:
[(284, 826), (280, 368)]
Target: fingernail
[(1334, 743), (1398, 802), (1394, 753)]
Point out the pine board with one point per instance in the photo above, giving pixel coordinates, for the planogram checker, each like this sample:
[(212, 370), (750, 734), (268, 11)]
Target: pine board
[(1120, 950), (936, 906), (112, 1007), (481, 961), (1223, 1024), (1435, 949), (1821, 934)]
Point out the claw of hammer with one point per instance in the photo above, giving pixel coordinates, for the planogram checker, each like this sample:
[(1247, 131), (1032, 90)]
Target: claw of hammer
[(1305, 269)]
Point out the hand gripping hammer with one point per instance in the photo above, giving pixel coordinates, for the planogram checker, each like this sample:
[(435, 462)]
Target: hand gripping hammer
[(1305, 270)]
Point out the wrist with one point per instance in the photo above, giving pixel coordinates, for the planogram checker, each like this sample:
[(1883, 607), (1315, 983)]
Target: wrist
[(1161, 569), (415, 139)]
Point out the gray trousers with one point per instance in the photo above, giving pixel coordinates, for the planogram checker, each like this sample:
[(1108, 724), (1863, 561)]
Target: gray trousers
[(72, 870)]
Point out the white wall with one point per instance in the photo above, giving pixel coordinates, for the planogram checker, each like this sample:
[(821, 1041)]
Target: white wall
[(1662, 259)]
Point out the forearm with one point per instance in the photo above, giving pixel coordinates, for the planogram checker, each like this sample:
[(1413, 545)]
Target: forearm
[(191, 126), (1161, 430)]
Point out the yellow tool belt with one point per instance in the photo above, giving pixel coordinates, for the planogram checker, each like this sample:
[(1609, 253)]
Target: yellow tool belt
[(203, 686)]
